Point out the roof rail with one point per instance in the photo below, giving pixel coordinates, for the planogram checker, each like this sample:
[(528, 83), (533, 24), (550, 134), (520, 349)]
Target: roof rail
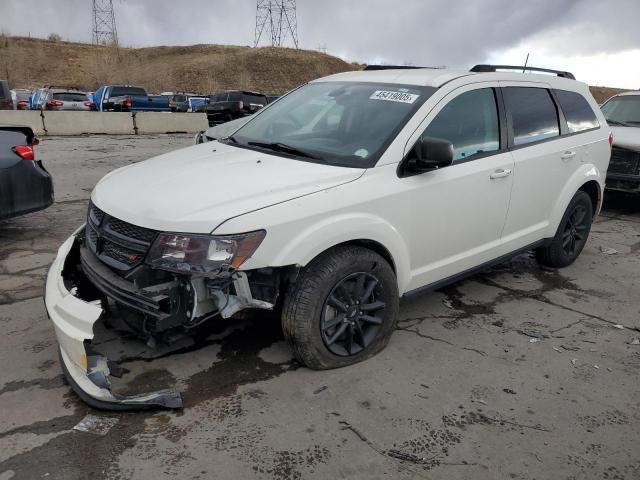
[(524, 68), (392, 67)]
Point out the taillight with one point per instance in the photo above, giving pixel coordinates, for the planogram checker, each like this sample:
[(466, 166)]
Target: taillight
[(127, 101), (88, 104), (240, 105), (55, 103), (25, 152), (22, 105), (610, 139)]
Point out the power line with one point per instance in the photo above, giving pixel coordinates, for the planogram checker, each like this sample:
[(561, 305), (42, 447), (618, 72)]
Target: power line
[(278, 18), (104, 30)]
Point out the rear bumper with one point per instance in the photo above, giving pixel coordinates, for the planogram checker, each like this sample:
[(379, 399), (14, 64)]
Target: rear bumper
[(87, 371), (25, 176)]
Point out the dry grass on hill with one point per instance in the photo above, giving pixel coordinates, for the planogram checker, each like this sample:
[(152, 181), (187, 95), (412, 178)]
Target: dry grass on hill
[(32, 63)]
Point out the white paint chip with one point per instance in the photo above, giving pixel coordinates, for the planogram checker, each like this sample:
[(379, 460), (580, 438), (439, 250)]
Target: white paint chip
[(96, 425)]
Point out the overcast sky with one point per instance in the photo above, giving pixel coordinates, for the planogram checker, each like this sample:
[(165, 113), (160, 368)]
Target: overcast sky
[(599, 40)]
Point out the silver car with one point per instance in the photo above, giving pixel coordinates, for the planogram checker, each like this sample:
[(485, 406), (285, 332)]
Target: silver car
[(68, 100)]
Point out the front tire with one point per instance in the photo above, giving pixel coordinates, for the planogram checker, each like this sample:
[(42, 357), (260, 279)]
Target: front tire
[(571, 235), (342, 309)]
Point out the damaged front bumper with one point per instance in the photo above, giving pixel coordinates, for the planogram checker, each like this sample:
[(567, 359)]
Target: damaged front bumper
[(87, 371)]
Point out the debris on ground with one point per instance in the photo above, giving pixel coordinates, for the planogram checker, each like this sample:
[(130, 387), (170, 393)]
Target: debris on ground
[(96, 425), (534, 340), (619, 327), (533, 333), (570, 348), (574, 361), (557, 349), (447, 303), (321, 389), (596, 367), (608, 250), (509, 391), (635, 341)]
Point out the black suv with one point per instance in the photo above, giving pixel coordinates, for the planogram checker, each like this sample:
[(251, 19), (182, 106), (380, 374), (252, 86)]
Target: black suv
[(226, 106)]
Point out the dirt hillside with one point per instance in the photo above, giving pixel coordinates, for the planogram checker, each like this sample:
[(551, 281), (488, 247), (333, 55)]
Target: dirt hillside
[(32, 63)]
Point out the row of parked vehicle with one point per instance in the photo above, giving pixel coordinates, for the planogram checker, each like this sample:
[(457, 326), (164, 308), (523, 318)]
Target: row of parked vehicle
[(220, 107)]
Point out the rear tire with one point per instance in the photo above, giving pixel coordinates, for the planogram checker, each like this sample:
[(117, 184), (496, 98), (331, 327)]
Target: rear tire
[(342, 309), (572, 234)]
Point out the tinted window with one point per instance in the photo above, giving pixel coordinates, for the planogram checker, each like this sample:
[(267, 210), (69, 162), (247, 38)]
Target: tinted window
[(179, 98), (256, 99), (121, 91), (70, 97), (469, 122), (533, 113), (577, 111), (234, 97)]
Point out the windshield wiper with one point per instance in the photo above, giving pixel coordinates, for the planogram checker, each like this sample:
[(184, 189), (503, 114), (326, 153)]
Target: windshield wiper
[(616, 122), (284, 148), (232, 139)]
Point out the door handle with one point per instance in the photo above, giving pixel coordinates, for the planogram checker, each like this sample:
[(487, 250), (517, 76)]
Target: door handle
[(568, 155), (503, 172)]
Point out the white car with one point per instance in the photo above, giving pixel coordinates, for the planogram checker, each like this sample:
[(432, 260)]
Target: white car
[(622, 112), (345, 195)]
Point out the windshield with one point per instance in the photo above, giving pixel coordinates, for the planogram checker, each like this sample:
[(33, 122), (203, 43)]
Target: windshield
[(623, 110), (342, 123)]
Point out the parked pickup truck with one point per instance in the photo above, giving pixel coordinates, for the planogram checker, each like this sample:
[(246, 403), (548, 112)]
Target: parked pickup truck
[(128, 98), (226, 106)]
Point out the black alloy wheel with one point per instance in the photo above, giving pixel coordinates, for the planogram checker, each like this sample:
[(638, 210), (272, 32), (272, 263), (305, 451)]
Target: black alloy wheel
[(351, 316), (576, 229)]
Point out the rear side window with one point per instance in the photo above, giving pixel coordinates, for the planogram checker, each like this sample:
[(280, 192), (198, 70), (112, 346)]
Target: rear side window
[(255, 99), (533, 114), (577, 111), (469, 122), (133, 91)]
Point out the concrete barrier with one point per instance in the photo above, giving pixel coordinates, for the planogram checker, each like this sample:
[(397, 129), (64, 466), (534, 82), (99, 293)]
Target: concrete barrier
[(31, 118), (78, 123), (157, 122)]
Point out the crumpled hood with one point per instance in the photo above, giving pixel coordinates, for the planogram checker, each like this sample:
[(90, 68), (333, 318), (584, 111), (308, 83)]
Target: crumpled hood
[(626, 137), (197, 188)]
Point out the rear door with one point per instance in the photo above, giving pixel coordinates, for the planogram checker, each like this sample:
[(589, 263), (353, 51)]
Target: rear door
[(543, 160)]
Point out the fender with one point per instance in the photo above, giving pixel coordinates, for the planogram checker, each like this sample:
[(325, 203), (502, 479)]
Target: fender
[(584, 174), (328, 232)]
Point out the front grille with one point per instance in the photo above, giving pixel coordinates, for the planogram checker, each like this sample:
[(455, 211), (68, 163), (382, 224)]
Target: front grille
[(624, 161), (115, 242), (128, 230)]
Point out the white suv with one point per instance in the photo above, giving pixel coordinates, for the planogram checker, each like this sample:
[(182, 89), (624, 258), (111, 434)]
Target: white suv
[(330, 204)]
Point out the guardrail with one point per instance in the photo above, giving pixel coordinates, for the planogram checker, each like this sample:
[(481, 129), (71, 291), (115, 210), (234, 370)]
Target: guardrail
[(109, 123)]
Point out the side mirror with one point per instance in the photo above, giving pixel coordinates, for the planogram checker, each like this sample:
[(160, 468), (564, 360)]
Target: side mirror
[(431, 153)]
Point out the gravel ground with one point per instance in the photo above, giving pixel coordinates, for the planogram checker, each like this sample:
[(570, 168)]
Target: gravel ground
[(517, 373)]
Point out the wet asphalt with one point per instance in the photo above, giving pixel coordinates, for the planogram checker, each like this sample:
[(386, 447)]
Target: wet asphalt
[(518, 372)]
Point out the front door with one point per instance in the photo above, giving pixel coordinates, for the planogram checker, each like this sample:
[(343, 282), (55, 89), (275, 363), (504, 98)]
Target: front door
[(459, 211)]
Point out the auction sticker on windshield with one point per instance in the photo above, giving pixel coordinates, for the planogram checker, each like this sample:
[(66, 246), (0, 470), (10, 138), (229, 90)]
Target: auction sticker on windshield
[(390, 96)]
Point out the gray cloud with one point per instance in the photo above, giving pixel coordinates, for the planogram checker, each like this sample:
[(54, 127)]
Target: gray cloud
[(424, 32)]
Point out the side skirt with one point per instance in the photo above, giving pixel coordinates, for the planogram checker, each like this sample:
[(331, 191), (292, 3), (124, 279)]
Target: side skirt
[(483, 266)]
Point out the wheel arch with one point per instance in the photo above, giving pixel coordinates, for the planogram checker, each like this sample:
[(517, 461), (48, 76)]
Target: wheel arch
[(588, 179), (592, 188)]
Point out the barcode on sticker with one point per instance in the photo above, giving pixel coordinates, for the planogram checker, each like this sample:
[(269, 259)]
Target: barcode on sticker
[(394, 96)]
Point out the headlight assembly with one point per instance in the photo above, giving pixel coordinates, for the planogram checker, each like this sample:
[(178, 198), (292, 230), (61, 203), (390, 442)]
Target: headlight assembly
[(202, 254)]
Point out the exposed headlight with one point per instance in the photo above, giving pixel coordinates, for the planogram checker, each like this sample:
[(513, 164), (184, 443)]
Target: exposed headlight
[(203, 254)]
